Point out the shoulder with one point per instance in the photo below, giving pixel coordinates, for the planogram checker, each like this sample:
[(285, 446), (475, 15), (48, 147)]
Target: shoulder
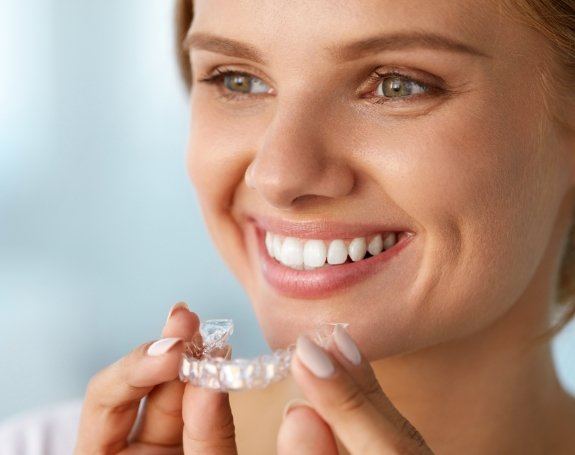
[(47, 431)]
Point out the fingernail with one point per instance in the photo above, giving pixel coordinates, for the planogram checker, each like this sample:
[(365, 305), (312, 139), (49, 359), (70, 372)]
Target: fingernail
[(162, 346), (346, 345), (177, 306), (314, 357), (294, 403)]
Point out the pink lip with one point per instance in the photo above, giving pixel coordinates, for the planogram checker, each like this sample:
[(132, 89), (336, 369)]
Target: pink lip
[(323, 229), (320, 283)]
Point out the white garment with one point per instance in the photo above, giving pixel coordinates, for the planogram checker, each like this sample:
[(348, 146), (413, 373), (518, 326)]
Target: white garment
[(46, 431)]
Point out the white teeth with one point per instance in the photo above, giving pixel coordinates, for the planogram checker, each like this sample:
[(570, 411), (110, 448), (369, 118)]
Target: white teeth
[(376, 245), (269, 243), (314, 253), (389, 241), (291, 253), (357, 249), (277, 246), (337, 252), (304, 254)]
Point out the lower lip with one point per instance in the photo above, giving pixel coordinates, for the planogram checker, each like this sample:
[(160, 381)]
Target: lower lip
[(320, 283)]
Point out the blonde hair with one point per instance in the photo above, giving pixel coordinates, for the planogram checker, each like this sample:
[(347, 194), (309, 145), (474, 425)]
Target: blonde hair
[(554, 19)]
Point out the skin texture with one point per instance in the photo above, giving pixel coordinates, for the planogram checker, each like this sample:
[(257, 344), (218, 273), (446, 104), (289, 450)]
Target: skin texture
[(446, 331), (467, 171), (479, 173)]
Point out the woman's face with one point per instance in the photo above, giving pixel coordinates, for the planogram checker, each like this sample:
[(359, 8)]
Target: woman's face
[(316, 140)]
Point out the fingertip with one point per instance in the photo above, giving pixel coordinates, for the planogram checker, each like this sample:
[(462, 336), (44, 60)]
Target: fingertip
[(315, 358), (177, 307), (181, 322), (153, 362), (293, 403), (303, 431), (346, 345), (162, 346)]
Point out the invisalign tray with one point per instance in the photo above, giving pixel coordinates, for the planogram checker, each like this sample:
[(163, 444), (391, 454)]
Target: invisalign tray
[(204, 361)]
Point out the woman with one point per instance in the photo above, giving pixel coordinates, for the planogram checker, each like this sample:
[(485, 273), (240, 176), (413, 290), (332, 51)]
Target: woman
[(405, 167)]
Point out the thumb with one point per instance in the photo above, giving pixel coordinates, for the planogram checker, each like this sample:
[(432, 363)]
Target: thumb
[(208, 421), (304, 432)]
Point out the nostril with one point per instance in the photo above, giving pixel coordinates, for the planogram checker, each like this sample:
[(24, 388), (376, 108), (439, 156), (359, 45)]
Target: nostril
[(307, 197)]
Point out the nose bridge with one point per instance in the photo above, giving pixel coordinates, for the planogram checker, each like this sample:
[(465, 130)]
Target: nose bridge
[(295, 158)]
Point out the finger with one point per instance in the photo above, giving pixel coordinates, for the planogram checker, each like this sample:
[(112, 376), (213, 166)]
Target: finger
[(114, 393), (208, 420), (342, 346), (342, 403), (304, 432), (162, 421)]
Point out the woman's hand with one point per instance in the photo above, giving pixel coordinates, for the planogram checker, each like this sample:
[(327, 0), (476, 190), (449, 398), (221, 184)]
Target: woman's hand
[(113, 396), (346, 400)]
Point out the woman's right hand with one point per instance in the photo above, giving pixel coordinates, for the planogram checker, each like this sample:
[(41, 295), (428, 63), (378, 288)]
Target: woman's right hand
[(178, 417)]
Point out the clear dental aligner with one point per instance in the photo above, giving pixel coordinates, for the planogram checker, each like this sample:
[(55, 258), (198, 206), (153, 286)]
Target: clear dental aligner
[(205, 364)]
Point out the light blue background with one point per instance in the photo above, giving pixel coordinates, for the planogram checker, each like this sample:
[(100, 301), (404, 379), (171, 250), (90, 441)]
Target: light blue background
[(100, 232)]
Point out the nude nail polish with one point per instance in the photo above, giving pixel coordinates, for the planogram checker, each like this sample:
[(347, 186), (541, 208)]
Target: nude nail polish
[(314, 357), (294, 403), (162, 346), (175, 307), (346, 345)]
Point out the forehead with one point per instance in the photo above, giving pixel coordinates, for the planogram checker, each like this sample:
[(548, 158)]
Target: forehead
[(283, 27)]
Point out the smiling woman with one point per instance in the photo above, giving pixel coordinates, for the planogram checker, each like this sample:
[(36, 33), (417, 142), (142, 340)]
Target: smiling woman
[(469, 157), (406, 168), (552, 19)]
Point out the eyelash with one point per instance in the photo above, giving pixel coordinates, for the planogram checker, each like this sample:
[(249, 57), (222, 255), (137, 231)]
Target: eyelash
[(430, 90)]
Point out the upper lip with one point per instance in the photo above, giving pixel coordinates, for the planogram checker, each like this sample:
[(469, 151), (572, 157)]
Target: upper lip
[(323, 229)]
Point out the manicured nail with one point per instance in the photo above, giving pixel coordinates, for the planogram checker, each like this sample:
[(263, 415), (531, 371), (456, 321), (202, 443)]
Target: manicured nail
[(346, 345), (177, 306), (294, 403), (314, 357), (162, 346)]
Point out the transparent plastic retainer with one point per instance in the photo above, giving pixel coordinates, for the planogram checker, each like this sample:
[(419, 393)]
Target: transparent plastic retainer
[(205, 362)]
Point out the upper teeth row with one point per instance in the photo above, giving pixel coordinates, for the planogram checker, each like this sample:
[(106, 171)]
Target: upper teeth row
[(310, 254)]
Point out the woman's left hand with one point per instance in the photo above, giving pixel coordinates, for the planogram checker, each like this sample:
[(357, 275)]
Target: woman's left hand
[(347, 401)]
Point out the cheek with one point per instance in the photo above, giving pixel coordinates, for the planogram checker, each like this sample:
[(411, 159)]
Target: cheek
[(474, 185), (216, 161)]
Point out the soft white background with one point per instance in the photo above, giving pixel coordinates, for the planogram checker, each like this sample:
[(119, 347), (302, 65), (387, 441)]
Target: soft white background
[(100, 232)]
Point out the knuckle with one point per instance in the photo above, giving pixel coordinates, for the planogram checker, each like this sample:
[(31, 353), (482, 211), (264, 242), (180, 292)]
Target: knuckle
[(101, 390), (352, 400), (93, 386), (411, 440), (373, 388), (162, 409), (221, 435)]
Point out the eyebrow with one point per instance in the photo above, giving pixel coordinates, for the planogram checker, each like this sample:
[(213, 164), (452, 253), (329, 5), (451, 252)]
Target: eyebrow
[(398, 41), (349, 51)]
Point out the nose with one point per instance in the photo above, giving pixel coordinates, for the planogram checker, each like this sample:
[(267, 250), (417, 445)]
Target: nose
[(296, 162)]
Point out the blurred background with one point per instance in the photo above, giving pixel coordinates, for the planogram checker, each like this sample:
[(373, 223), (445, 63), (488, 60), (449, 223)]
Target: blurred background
[(100, 232)]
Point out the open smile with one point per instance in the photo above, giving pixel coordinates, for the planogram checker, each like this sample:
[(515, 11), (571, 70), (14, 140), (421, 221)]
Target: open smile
[(314, 260)]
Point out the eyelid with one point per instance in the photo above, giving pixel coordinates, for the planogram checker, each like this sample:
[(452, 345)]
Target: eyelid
[(249, 72), (435, 88)]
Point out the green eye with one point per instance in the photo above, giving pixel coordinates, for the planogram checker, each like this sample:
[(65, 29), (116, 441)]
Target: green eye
[(399, 87), (243, 83), (391, 86)]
